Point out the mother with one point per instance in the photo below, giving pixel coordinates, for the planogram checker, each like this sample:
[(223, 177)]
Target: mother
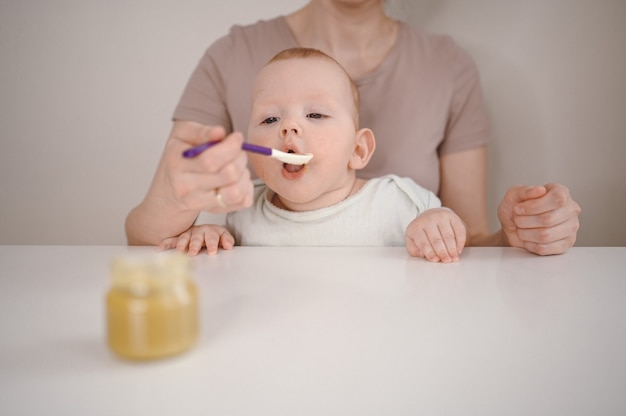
[(420, 94)]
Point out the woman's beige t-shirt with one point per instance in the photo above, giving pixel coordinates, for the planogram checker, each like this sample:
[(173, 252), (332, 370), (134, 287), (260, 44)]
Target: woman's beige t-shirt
[(423, 100)]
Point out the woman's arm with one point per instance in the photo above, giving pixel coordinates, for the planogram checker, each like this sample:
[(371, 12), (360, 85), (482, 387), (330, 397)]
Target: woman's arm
[(463, 189), (181, 187), (541, 219)]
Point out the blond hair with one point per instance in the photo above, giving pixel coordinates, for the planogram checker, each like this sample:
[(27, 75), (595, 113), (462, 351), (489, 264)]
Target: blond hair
[(311, 53)]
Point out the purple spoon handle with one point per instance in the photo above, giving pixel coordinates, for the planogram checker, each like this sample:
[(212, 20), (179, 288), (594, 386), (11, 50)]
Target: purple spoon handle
[(196, 150), (257, 149)]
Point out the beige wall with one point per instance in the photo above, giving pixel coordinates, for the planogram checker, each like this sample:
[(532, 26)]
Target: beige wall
[(87, 90)]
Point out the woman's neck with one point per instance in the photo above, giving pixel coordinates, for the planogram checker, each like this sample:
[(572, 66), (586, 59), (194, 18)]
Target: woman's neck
[(358, 36)]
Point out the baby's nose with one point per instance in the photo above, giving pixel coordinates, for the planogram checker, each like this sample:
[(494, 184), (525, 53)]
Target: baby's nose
[(290, 127), (290, 130)]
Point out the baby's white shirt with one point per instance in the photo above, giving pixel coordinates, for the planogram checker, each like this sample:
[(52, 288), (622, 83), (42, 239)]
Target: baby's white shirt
[(377, 215)]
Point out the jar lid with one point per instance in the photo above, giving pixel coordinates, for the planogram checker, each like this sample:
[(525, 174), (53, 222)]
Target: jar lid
[(143, 272)]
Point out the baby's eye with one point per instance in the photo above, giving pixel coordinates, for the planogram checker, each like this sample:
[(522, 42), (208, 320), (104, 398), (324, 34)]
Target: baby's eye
[(270, 120), (315, 115)]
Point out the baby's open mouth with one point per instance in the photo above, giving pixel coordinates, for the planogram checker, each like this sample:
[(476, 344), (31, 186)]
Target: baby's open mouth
[(292, 168)]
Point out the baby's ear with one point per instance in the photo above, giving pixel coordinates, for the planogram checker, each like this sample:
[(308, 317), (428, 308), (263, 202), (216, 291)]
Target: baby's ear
[(364, 146)]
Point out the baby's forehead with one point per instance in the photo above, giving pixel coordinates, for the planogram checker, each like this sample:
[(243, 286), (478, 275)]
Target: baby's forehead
[(303, 66)]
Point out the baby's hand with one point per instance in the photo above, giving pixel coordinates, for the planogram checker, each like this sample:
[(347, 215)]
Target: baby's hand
[(437, 235), (210, 236)]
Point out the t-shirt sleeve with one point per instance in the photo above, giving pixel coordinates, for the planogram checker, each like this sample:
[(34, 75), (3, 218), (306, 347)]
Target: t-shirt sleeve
[(420, 196), (204, 98), (468, 123)]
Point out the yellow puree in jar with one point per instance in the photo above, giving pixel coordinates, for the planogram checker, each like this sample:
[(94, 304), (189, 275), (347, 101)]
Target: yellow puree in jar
[(152, 306)]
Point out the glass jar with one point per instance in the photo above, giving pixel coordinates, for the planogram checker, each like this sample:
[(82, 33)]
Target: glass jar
[(152, 305)]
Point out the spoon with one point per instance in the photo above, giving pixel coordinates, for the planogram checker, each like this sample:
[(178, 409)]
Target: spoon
[(289, 158)]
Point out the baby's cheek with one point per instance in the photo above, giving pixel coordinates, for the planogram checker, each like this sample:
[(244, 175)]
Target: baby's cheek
[(259, 164)]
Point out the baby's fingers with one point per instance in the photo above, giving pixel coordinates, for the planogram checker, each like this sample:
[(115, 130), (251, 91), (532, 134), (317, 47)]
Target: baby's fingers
[(180, 243), (183, 241), (212, 239), (167, 244), (420, 245), (449, 237), (196, 243), (437, 235), (460, 234), (438, 244), (442, 242)]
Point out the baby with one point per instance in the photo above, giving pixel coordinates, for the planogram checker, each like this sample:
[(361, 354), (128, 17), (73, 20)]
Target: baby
[(305, 102)]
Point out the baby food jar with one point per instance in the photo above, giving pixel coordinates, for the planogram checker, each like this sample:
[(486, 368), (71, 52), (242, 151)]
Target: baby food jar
[(152, 305)]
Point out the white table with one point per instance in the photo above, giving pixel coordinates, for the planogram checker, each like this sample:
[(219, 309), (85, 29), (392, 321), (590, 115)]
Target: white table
[(319, 331)]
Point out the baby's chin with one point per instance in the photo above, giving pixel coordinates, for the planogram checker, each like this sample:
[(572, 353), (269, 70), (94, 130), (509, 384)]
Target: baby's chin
[(299, 203), (289, 204)]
